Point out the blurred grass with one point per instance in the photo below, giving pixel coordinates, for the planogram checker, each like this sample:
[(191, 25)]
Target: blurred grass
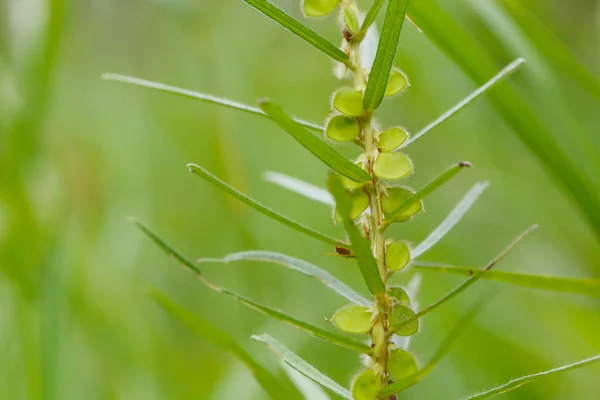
[(77, 155)]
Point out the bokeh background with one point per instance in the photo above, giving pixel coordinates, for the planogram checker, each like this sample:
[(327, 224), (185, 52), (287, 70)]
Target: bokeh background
[(79, 155)]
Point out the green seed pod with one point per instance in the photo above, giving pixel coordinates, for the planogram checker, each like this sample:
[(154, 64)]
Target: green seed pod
[(396, 196), (392, 166), (399, 315), (366, 386), (399, 295), (349, 102), (353, 319), (350, 16), (342, 129), (392, 138), (319, 8), (360, 202), (397, 255), (398, 82), (401, 364), (350, 184)]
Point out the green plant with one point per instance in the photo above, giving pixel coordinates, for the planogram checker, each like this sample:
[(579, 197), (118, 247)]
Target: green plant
[(367, 201)]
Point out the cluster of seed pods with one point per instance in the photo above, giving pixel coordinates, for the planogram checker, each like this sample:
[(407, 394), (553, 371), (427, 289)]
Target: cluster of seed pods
[(383, 159)]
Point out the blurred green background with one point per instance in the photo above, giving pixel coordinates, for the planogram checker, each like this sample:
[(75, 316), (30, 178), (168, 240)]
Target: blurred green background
[(79, 155)]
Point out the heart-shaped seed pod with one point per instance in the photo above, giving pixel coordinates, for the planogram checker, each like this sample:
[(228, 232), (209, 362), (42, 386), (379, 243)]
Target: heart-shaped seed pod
[(400, 314), (319, 8), (366, 386), (360, 202), (397, 255), (353, 319), (401, 364), (398, 82), (350, 16), (396, 196), (392, 138), (342, 129), (392, 166), (399, 296), (349, 102)]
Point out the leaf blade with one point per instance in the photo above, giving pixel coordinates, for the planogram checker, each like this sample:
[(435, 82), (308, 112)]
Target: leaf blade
[(190, 94), (221, 339), (386, 51), (302, 366), (301, 266), (517, 383), (360, 245), (299, 29), (201, 172), (451, 220), (583, 286), (316, 146), (300, 187), (370, 17), (428, 189)]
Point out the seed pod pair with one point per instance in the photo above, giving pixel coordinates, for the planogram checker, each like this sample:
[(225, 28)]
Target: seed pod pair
[(397, 196), (345, 127)]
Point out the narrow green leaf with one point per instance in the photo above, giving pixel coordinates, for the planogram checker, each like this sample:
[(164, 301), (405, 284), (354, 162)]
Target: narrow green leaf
[(509, 69), (430, 188), (517, 383), (386, 51), (318, 147), (198, 96), (296, 185), (309, 389), (318, 332), (461, 46), (584, 286), (221, 339), (299, 29), (360, 245), (302, 366), (451, 220), (461, 288), (370, 17), (442, 350), (201, 172), (297, 265), (552, 47)]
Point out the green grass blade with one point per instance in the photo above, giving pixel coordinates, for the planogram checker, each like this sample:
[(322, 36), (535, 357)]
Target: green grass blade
[(299, 29), (442, 350), (386, 51), (430, 188), (451, 220), (360, 245), (190, 94), (291, 359), (309, 388), (509, 69), (552, 47), (201, 172), (517, 383), (318, 332), (461, 288), (583, 286), (300, 187), (370, 17), (459, 45), (221, 339), (318, 147), (295, 264)]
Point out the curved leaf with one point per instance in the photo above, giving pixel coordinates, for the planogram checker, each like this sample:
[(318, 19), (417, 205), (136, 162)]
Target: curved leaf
[(302, 188), (380, 73), (201, 172), (299, 29), (302, 366), (297, 265), (360, 245), (427, 190), (584, 286), (318, 147), (209, 98)]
